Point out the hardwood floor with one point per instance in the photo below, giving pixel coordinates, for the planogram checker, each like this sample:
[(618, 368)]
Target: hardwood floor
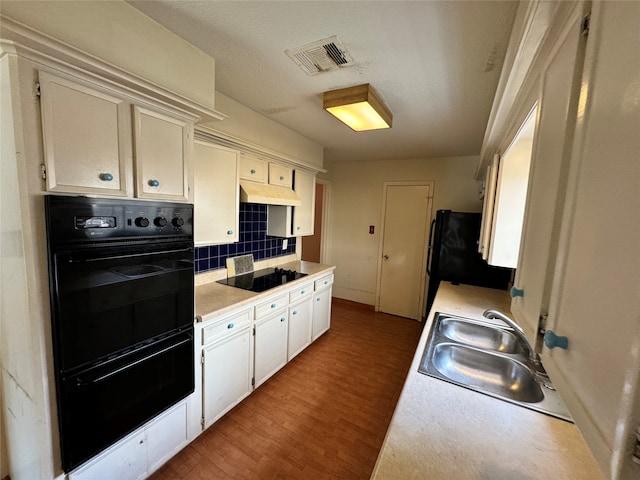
[(323, 416)]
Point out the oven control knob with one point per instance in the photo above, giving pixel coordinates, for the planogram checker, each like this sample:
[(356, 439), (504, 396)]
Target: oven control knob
[(142, 222), (177, 222), (160, 222)]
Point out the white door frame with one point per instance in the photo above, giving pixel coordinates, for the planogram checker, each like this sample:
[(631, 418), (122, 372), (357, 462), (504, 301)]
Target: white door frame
[(325, 237), (423, 261)]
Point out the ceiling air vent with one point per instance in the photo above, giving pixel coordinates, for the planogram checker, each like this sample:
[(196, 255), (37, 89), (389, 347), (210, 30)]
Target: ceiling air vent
[(321, 56)]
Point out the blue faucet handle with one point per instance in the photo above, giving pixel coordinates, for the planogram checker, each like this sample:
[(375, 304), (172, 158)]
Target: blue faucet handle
[(551, 340)]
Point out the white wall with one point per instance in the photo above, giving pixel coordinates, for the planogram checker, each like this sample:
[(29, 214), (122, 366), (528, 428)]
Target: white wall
[(252, 127), (118, 33), (356, 203)]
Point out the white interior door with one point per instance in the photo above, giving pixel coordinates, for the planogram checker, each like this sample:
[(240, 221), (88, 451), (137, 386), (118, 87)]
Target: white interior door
[(402, 272)]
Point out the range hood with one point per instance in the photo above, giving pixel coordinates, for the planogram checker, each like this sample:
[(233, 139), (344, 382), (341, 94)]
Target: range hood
[(251, 192)]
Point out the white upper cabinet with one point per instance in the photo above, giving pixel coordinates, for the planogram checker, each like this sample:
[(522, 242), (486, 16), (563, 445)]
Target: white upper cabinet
[(280, 175), (162, 146), (94, 137), (216, 194), (304, 185), (87, 139), (578, 275), (253, 168), (595, 294), (557, 112)]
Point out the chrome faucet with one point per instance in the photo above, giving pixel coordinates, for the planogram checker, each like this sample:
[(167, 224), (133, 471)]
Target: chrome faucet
[(517, 330)]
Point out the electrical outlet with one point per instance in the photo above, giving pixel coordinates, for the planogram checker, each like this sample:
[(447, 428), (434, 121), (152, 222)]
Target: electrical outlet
[(285, 243)]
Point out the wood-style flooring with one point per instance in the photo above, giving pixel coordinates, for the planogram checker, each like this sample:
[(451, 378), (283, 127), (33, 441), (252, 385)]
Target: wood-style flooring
[(323, 416)]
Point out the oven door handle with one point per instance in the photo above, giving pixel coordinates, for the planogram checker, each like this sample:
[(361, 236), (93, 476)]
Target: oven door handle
[(132, 255), (92, 381)]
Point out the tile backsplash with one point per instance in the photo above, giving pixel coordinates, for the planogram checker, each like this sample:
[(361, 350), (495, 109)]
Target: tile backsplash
[(253, 239)]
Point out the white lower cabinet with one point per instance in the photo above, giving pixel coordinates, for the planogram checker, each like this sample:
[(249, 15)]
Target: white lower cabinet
[(299, 327), (321, 317), (270, 345), (226, 365), (141, 453)]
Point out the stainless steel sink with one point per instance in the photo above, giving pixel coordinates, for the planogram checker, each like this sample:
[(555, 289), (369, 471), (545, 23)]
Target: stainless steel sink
[(479, 335), (489, 359)]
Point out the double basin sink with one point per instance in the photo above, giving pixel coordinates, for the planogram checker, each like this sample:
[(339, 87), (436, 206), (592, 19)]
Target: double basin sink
[(489, 359)]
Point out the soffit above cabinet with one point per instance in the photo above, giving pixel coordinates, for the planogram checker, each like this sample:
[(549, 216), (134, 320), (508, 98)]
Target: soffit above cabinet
[(29, 43)]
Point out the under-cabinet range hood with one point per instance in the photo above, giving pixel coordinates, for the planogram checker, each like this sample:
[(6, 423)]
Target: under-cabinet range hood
[(251, 192)]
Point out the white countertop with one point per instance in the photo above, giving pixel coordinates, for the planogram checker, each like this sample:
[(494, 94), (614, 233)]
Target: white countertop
[(442, 431), (213, 299)]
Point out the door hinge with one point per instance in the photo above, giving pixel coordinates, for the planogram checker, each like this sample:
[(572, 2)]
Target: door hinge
[(636, 449), (202, 422), (253, 381), (254, 331), (38, 91), (586, 21), (202, 358), (43, 171)]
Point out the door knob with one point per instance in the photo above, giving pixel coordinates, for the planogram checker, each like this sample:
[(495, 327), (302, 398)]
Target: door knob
[(386, 257)]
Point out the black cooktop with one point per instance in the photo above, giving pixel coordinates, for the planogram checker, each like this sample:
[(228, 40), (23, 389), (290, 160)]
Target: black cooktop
[(262, 280)]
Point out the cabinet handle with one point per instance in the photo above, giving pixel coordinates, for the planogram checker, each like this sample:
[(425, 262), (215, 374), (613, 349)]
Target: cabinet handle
[(106, 177), (297, 228), (154, 183), (326, 281), (252, 171), (273, 305), (282, 319), (229, 232), (295, 312), (281, 177), (231, 325), (516, 292), (551, 340), (318, 299), (301, 292)]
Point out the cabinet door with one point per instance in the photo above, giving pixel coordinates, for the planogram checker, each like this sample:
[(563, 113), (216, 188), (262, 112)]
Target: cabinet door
[(270, 346), (595, 298), (280, 175), (216, 194), (253, 168), (557, 112), (321, 317), (127, 459), (87, 138), (166, 435), (226, 374), (304, 185), (161, 152), (299, 336)]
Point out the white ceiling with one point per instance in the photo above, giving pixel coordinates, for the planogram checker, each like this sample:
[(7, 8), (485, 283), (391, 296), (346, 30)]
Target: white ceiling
[(436, 65)]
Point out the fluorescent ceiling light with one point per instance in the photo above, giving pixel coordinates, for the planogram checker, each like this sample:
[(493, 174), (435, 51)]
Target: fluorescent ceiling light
[(358, 107)]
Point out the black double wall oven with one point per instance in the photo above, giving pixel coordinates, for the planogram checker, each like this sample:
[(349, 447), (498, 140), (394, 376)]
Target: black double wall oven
[(122, 284)]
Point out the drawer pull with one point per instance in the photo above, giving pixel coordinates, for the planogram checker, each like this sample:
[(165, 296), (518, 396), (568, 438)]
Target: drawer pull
[(106, 177), (326, 281), (229, 232), (273, 305), (281, 177), (295, 312), (231, 325), (318, 299), (282, 319), (253, 171), (154, 183), (301, 292)]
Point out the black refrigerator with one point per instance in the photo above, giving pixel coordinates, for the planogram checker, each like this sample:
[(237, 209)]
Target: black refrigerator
[(454, 257)]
